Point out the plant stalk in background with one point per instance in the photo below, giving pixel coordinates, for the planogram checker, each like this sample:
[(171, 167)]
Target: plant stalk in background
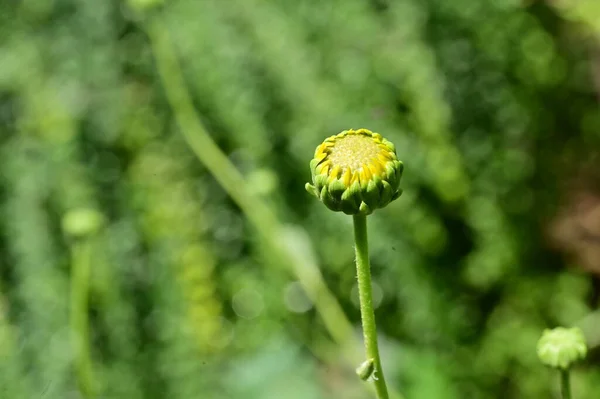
[(80, 282), (260, 216), (80, 225), (356, 172)]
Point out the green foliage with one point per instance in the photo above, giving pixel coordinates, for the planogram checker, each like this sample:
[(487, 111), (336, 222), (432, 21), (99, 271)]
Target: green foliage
[(205, 285)]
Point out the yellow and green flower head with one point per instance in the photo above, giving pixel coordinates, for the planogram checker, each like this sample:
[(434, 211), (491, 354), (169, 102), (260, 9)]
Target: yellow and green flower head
[(355, 172)]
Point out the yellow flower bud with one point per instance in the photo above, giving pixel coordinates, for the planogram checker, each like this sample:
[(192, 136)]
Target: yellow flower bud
[(355, 172)]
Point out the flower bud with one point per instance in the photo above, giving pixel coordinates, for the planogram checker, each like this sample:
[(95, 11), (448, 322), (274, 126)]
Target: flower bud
[(561, 347), (143, 5), (355, 172), (82, 222), (366, 369)]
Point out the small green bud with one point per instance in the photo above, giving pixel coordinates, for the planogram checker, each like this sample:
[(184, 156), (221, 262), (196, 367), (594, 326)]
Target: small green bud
[(355, 172), (82, 222), (143, 5), (366, 369), (561, 347)]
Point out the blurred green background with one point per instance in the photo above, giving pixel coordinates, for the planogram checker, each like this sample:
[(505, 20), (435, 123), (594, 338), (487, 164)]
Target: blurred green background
[(156, 240)]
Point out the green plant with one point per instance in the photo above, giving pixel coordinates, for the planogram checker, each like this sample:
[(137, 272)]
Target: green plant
[(80, 225), (356, 172), (560, 348)]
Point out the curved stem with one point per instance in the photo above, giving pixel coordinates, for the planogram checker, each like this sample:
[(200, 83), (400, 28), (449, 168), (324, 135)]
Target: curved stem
[(367, 313), (565, 384), (259, 215), (80, 280)]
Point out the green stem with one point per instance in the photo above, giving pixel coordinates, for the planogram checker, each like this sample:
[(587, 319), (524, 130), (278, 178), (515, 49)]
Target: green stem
[(260, 215), (80, 280), (367, 312), (565, 384)]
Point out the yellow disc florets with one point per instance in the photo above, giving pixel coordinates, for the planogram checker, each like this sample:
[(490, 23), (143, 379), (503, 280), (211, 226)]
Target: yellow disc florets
[(355, 171)]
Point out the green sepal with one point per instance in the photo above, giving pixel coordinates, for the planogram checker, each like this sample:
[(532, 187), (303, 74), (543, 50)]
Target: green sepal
[(328, 200), (313, 165), (389, 145), (351, 199), (311, 189), (398, 169), (371, 194), (365, 209), (337, 188), (390, 171), (386, 194), (320, 182)]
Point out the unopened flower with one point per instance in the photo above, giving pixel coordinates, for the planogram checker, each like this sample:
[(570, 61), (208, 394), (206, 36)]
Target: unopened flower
[(366, 370), (82, 222), (355, 172), (561, 347)]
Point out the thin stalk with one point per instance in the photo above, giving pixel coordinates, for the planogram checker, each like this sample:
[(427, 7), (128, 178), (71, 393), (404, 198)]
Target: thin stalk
[(365, 292), (260, 216), (80, 282), (565, 384)]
